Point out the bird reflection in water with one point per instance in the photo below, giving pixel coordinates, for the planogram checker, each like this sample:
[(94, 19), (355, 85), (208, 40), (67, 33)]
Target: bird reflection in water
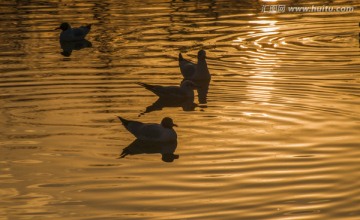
[(159, 104), (202, 90), (172, 96), (73, 38), (68, 46), (166, 149)]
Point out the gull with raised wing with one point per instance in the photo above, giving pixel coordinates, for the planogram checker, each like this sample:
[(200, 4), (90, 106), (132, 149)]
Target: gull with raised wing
[(182, 92), (192, 71), (73, 34), (162, 132)]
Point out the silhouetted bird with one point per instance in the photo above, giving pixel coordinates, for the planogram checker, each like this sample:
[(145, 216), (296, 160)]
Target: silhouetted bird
[(162, 132), (192, 71), (185, 91), (73, 34)]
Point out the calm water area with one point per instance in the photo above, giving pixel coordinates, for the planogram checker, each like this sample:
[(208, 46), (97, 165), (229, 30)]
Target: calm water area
[(276, 136)]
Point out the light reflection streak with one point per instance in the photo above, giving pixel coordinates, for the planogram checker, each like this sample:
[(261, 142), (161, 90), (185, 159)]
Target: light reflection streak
[(264, 62)]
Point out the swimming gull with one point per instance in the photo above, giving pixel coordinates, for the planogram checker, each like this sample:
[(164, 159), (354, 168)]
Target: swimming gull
[(162, 132), (194, 71), (73, 34)]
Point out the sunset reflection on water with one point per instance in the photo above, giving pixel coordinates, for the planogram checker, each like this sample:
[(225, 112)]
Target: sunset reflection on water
[(276, 136)]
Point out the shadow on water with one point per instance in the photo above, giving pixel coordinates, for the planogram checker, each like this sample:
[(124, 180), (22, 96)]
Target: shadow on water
[(68, 46), (202, 90), (159, 104), (280, 133), (187, 104), (166, 149)]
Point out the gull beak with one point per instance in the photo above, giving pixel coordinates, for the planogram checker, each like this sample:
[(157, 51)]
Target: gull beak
[(57, 28), (175, 125)]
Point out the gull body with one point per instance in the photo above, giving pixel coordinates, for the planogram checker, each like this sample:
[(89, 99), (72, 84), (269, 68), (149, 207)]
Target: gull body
[(192, 71), (162, 132), (73, 34)]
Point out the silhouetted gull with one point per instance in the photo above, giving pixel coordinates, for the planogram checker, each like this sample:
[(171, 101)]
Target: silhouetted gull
[(185, 91), (73, 34), (162, 132), (194, 71)]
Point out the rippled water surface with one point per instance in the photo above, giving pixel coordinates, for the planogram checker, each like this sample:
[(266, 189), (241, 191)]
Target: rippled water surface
[(277, 138)]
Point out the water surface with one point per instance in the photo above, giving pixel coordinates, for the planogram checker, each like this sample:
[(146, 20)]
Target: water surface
[(277, 138)]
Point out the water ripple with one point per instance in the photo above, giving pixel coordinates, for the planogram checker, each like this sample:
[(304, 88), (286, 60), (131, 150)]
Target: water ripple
[(277, 139)]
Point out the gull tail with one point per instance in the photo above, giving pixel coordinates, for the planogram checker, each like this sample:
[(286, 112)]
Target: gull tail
[(180, 57), (146, 86), (124, 121), (88, 26)]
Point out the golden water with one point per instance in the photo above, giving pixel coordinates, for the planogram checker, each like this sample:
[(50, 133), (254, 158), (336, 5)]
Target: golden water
[(278, 138)]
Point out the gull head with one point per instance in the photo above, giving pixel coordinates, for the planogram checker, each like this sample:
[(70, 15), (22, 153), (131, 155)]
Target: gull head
[(64, 26), (168, 123), (201, 54)]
